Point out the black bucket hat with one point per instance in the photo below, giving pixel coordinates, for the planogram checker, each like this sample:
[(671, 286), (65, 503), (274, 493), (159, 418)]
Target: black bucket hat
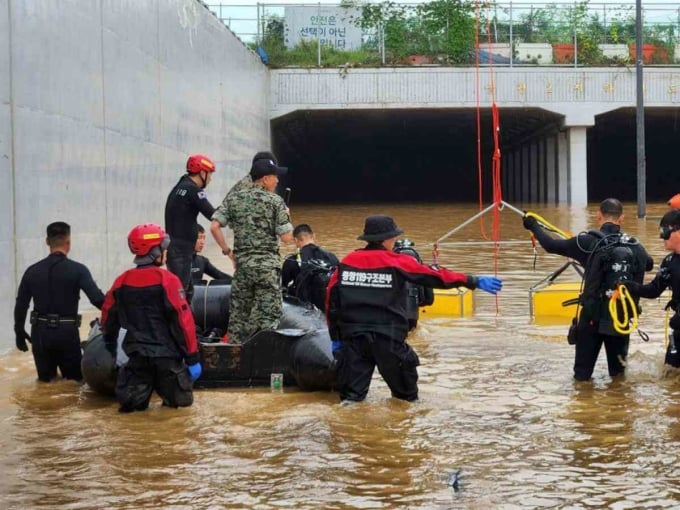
[(378, 228)]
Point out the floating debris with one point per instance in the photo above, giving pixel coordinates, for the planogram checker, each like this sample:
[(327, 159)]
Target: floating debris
[(454, 481)]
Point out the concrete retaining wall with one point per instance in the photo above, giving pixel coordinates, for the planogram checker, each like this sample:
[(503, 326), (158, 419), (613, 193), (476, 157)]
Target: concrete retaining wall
[(101, 102)]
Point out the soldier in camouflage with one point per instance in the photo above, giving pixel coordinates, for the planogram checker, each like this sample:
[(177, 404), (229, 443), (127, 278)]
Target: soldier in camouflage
[(259, 218), (245, 182)]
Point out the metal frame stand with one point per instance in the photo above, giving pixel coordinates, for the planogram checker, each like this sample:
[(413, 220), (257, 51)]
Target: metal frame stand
[(501, 205)]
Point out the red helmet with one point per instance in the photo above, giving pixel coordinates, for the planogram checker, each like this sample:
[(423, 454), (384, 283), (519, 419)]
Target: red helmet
[(674, 202), (143, 238), (200, 163)]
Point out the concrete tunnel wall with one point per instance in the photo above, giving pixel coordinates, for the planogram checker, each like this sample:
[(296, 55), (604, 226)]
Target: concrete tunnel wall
[(101, 102)]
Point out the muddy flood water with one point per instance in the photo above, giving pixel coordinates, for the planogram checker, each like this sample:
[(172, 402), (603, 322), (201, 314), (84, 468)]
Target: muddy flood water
[(497, 403)]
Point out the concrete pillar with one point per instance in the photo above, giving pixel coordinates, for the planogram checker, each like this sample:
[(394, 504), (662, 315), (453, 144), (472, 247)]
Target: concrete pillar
[(551, 169), (534, 172), (526, 173), (563, 167), (506, 175), (578, 165), (541, 170), (517, 165)]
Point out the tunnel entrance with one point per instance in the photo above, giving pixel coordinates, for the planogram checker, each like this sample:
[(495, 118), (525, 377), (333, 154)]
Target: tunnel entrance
[(612, 155), (430, 155), (423, 155)]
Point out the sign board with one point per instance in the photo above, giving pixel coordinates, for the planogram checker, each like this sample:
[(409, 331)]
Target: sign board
[(330, 25)]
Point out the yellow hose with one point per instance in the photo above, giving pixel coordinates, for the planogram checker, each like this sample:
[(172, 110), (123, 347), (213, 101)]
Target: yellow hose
[(628, 324), (548, 226)]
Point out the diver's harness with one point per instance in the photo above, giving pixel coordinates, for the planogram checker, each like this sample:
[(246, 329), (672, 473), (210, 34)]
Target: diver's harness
[(54, 320), (620, 295)]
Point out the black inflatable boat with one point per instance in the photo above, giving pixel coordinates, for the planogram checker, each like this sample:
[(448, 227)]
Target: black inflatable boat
[(300, 349)]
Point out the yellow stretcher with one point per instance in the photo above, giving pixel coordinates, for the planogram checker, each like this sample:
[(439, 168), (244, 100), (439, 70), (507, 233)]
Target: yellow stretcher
[(450, 303), (547, 297)]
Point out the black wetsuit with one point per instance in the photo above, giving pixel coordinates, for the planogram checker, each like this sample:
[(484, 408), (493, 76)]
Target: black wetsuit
[(668, 276), (595, 313), (184, 203), (201, 265), (366, 310), (54, 285)]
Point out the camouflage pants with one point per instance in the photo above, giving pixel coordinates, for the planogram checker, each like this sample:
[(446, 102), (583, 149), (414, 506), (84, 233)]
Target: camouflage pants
[(256, 302)]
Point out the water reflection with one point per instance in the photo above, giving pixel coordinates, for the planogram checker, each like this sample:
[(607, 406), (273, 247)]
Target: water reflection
[(497, 402)]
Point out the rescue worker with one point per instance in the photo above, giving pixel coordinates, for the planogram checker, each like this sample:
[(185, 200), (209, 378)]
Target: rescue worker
[(306, 249), (201, 265), (54, 285), (367, 315), (186, 200), (674, 202), (259, 218), (668, 276), (594, 326), (160, 339), (245, 182)]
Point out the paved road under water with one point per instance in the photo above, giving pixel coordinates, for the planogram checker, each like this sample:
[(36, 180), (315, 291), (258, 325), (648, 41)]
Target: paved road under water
[(497, 402)]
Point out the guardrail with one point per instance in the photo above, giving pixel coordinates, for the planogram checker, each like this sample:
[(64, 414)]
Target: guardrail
[(442, 32)]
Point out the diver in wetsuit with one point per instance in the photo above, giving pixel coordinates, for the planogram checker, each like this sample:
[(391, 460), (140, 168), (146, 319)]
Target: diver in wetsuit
[(54, 285), (201, 265)]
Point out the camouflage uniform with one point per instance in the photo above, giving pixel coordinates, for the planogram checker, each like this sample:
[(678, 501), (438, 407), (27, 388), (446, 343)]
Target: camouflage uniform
[(220, 213), (257, 217)]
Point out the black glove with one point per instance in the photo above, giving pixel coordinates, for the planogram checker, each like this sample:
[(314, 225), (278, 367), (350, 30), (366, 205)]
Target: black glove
[(674, 323), (21, 337), (633, 287), (529, 222)]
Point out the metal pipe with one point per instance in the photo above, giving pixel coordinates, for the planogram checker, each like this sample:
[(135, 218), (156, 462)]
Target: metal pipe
[(474, 243), (640, 115), (512, 49), (318, 40)]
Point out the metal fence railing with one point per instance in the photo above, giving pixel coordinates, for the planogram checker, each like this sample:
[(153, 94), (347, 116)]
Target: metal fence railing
[(444, 32)]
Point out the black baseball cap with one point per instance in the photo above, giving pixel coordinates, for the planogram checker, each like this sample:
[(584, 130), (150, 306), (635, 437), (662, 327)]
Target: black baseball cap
[(263, 167)]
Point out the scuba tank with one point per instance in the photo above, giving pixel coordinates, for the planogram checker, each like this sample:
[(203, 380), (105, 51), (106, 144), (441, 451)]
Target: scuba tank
[(417, 294), (612, 262)]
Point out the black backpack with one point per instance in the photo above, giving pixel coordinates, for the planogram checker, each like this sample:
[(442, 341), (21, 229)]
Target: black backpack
[(425, 294), (311, 282), (612, 261)]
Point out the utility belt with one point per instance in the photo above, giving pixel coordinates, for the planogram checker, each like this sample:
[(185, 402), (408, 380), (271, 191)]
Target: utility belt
[(53, 320)]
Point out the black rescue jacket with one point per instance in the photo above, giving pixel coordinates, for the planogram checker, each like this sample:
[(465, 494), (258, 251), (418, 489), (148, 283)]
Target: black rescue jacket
[(149, 302), (368, 291)]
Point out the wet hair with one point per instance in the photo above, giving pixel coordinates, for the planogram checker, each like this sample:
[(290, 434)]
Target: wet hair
[(265, 155), (671, 219), (200, 228), (611, 207), (57, 233), (302, 229)]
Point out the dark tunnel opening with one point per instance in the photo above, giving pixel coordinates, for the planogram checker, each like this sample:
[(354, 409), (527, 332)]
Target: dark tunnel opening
[(612, 156), (430, 155)]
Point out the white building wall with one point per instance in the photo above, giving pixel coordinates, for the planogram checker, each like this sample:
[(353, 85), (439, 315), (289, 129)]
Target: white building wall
[(108, 100)]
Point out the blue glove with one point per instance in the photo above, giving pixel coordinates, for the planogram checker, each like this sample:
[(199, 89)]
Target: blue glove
[(335, 345), (195, 370), (489, 284)]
